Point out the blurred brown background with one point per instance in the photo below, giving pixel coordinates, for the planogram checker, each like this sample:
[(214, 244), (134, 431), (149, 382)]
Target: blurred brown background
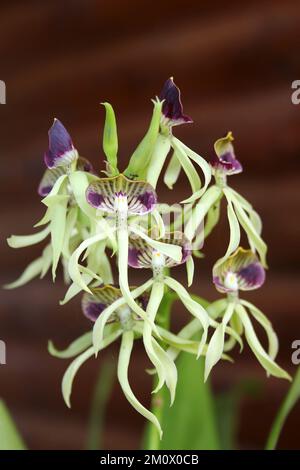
[(234, 62)]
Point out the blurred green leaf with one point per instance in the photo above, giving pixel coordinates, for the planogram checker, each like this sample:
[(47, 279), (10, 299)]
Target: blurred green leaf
[(191, 422), (289, 402), (10, 439)]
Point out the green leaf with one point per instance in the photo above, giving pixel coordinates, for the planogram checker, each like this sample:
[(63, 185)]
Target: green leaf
[(140, 158), (191, 422), (288, 404), (10, 439), (110, 139)]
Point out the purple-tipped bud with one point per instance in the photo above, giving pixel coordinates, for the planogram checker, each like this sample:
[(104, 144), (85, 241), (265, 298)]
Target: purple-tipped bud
[(172, 109), (61, 150)]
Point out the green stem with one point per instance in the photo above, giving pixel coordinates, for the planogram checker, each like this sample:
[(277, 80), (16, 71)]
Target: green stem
[(102, 393), (289, 402)]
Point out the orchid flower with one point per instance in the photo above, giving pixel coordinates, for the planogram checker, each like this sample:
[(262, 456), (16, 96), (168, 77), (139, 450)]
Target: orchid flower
[(64, 221), (240, 212), (106, 307), (242, 271)]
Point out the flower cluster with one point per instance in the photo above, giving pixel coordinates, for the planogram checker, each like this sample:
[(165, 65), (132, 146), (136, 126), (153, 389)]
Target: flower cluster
[(91, 220)]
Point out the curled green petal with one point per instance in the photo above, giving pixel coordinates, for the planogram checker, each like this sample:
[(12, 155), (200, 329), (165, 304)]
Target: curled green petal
[(76, 347), (265, 360), (190, 268), (187, 166), (20, 241), (169, 367), (32, 271), (172, 172), (79, 181), (72, 370), (123, 365)]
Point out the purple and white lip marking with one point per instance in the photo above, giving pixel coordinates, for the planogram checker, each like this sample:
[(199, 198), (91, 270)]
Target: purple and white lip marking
[(142, 255), (121, 194), (172, 108), (241, 271), (94, 304), (61, 150), (51, 176), (224, 159)]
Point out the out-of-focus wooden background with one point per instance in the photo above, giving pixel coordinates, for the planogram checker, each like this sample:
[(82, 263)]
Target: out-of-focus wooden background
[(235, 62)]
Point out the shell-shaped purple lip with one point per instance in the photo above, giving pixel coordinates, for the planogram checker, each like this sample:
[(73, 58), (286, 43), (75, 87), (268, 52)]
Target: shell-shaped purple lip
[(61, 150), (140, 196), (140, 252), (245, 270), (101, 297), (227, 163), (224, 158), (172, 108), (51, 176)]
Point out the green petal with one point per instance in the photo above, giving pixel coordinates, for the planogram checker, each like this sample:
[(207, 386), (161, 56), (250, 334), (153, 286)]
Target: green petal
[(30, 272), (172, 172), (267, 325), (158, 158), (72, 370), (20, 241), (205, 167), (110, 139), (57, 225), (173, 251), (76, 347), (193, 307), (79, 181), (103, 318), (48, 200), (123, 364), (190, 268), (156, 296), (187, 166), (216, 344), (169, 367), (69, 228), (265, 360), (140, 158)]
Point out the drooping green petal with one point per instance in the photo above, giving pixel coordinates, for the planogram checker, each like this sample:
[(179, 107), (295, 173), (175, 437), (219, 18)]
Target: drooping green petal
[(160, 223), (103, 318), (122, 235), (72, 370), (216, 344), (110, 139), (193, 307), (74, 269), (123, 365), (190, 268), (160, 152), (45, 219), (187, 166), (76, 347), (57, 225), (140, 158), (30, 272), (199, 212), (169, 367), (235, 234), (205, 167), (47, 260), (172, 172), (79, 181), (265, 360), (154, 302), (172, 251), (75, 289), (20, 241), (69, 227), (254, 238), (55, 190), (267, 325), (213, 216)]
